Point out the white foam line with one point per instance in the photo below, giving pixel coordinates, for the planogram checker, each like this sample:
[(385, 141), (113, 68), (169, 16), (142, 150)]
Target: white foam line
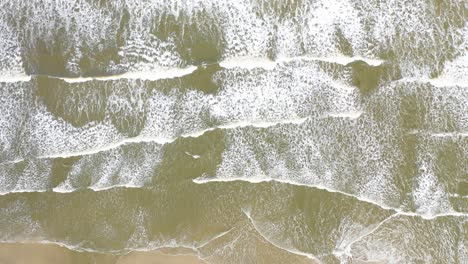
[(229, 245), (64, 190), (250, 63), (22, 191), (338, 58), (125, 251), (70, 247), (347, 250), (164, 73), (126, 186), (78, 248), (196, 252), (436, 82), (439, 134), (450, 134), (458, 195), (11, 161), (194, 134), (214, 238), (162, 141), (96, 189), (108, 147), (15, 78), (192, 155), (202, 180), (158, 140), (293, 251)]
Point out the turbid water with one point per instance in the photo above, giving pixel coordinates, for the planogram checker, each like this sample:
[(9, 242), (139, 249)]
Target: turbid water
[(322, 131)]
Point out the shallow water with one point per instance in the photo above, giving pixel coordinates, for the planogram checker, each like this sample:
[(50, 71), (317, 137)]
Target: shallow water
[(243, 131)]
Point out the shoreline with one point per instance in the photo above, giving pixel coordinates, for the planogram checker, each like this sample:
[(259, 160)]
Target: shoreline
[(40, 253)]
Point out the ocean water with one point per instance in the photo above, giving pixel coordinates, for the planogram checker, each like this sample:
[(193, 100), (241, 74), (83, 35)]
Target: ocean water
[(261, 131)]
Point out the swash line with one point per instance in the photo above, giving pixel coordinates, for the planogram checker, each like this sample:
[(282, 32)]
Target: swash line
[(78, 248), (321, 187), (293, 251), (347, 250)]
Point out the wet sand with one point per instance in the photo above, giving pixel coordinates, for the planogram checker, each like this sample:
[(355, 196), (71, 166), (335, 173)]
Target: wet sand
[(36, 253)]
